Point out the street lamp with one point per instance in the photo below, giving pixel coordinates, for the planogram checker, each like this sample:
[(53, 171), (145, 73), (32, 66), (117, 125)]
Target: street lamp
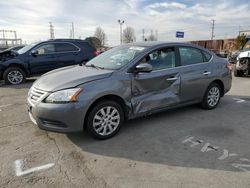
[(121, 22)]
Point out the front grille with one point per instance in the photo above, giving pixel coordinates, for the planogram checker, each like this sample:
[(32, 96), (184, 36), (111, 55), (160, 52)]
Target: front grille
[(35, 94)]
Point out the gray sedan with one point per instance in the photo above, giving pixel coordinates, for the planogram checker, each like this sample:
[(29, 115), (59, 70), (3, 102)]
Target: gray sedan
[(126, 82)]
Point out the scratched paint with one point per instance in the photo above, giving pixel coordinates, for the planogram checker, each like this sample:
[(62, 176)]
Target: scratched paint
[(20, 172), (223, 154)]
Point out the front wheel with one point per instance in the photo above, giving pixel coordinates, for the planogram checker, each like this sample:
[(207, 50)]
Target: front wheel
[(105, 119), (212, 96), (14, 75)]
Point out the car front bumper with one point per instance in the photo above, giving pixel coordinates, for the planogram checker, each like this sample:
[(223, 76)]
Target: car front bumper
[(68, 117)]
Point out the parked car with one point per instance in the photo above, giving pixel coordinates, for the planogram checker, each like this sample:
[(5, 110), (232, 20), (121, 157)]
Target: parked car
[(242, 62), (100, 95), (39, 58)]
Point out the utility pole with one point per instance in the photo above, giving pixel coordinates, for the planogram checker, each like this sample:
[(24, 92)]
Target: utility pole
[(51, 29), (3, 34), (213, 23), (143, 35), (73, 30), (156, 34), (121, 22)]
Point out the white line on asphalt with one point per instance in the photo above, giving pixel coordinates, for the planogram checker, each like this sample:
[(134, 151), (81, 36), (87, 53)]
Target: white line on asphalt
[(19, 168), (5, 105), (238, 100)]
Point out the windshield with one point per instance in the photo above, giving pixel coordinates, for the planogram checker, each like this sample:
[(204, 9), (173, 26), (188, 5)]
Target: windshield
[(116, 57), (26, 48), (247, 46)]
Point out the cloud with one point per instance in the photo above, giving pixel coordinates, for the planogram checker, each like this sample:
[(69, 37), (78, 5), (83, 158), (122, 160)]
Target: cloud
[(166, 5), (30, 18)]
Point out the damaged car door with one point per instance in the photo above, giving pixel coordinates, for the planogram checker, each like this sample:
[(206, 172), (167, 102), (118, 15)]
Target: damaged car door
[(158, 88)]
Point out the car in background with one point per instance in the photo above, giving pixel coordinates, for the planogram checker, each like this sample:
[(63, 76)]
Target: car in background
[(241, 61), (39, 58), (126, 82)]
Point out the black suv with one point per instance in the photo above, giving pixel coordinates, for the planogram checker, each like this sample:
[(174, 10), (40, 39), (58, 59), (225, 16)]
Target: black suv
[(39, 58)]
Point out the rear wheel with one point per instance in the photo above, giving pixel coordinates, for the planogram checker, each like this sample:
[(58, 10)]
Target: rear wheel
[(14, 75), (212, 96), (105, 119)]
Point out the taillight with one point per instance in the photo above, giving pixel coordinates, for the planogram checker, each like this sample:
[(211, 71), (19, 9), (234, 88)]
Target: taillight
[(229, 66), (96, 53)]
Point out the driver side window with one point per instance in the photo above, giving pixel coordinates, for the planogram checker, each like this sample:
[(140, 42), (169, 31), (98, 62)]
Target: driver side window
[(46, 49), (161, 59)]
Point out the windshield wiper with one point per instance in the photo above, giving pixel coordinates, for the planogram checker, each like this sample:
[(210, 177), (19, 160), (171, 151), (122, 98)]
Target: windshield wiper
[(94, 66)]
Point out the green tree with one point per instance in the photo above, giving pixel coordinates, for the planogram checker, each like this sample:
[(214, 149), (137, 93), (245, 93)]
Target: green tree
[(240, 41)]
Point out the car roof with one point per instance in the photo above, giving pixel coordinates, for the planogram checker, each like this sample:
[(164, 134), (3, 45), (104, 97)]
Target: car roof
[(66, 40), (156, 43), (150, 44)]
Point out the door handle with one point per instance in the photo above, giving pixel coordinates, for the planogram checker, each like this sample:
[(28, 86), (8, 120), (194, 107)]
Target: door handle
[(206, 73), (172, 78)]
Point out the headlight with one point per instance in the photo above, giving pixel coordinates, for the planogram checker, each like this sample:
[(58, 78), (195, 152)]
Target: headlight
[(64, 96)]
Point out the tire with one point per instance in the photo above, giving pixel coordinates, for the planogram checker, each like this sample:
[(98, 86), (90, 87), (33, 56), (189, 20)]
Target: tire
[(14, 75), (237, 73), (212, 96), (104, 124)]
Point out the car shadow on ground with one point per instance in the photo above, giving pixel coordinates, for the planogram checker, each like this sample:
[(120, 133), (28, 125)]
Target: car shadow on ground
[(159, 138)]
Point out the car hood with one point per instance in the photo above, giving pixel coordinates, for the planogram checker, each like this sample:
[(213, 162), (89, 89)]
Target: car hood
[(244, 54), (7, 54), (68, 77)]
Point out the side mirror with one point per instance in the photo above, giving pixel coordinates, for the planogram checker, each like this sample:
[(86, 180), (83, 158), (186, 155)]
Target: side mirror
[(144, 67), (34, 53)]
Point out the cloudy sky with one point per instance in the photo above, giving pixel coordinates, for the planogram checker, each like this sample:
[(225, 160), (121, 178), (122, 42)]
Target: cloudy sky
[(30, 18)]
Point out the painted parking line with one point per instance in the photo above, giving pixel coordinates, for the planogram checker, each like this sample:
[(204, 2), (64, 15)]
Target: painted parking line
[(242, 164), (20, 172), (239, 100), (4, 106)]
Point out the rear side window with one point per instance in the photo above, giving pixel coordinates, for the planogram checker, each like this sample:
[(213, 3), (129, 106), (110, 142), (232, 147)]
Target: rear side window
[(65, 47), (190, 56), (207, 56)]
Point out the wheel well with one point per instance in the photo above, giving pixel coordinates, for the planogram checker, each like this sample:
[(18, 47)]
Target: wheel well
[(220, 83), (115, 98), (19, 66)]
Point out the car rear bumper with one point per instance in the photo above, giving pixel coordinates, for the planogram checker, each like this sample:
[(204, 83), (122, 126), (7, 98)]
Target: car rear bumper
[(63, 118), (227, 81)]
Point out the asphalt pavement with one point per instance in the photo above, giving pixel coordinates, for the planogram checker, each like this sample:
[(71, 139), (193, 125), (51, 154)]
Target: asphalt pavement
[(185, 147)]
